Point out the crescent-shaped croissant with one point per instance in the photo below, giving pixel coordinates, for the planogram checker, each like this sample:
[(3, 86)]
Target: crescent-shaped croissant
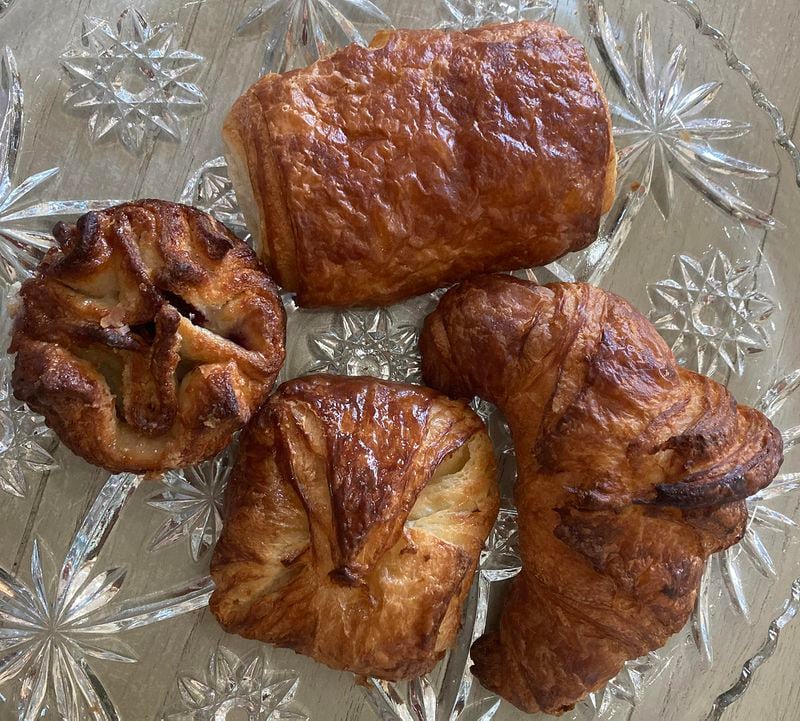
[(631, 471), (357, 511), (380, 173)]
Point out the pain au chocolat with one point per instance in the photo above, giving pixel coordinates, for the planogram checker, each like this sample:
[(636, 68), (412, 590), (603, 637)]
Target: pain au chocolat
[(380, 173), (147, 337), (356, 513), (632, 471)]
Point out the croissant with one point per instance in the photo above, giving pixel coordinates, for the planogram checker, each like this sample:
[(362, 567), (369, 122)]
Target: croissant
[(380, 173), (148, 337), (356, 513), (631, 471)]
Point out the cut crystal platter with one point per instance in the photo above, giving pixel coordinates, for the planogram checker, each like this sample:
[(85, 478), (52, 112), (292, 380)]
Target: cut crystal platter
[(104, 580)]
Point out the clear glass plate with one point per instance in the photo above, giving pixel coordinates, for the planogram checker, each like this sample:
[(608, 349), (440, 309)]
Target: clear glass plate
[(104, 580)]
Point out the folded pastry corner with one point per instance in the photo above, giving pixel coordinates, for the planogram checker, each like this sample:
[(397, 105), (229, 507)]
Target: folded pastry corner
[(380, 173), (356, 513), (147, 337), (631, 472)]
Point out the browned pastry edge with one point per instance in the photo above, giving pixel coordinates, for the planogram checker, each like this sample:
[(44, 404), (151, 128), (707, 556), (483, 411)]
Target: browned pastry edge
[(147, 337), (355, 516), (312, 201), (271, 219), (631, 472)]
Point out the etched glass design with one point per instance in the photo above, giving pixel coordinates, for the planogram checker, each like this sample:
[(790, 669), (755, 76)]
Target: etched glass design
[(370, 343), (710, 311), (466, 14), (133, 79), (302, 31), (210, 189), (663, 130), (192, 498), (234, 687), (25, 222), (58, 623), (729, 566)]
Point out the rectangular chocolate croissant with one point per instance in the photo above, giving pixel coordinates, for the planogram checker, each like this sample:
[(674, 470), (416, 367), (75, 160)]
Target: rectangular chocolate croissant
[(380, 173)]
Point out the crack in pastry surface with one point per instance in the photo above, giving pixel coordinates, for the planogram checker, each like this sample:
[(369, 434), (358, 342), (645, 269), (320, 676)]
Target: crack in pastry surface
[(148, 336)]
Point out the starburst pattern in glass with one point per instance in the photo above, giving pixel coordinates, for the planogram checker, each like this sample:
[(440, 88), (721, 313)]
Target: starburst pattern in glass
[(662, 130), (623, 691), (25, 223), (24, 438), (466, 14), (752, 550), (300, 32), (132, 78), (210, 189), (247, 686), (59, 625), (368, 342), (193, 499), (710, 312)]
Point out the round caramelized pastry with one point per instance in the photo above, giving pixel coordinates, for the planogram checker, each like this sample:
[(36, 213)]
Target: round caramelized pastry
[(147, 337), (357, 511)]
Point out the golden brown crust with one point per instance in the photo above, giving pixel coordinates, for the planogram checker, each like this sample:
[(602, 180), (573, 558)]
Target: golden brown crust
[(380, 173), (355, 517), (148, 337), (632, 471)]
